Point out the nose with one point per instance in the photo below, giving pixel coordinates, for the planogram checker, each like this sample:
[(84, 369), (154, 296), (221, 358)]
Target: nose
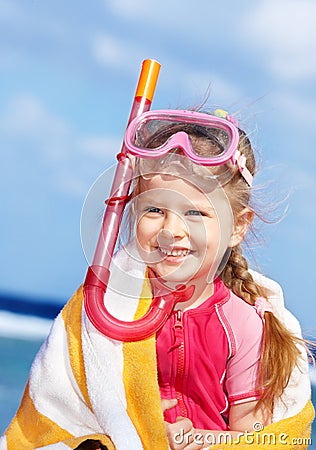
[(165, 238), (174, 228)]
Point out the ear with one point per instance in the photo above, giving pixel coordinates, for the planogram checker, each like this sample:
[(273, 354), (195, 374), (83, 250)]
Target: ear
[(242, 223)]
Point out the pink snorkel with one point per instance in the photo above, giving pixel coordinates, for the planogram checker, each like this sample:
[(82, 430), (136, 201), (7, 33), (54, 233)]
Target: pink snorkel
[(99, 272)]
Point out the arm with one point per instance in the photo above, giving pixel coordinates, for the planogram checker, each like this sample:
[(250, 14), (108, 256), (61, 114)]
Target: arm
[(242, 418)]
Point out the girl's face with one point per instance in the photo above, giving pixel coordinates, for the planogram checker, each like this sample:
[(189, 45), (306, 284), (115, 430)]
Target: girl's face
[(182, 233)]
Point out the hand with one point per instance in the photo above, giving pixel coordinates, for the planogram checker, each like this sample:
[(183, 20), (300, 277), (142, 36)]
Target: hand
[(181, 433)]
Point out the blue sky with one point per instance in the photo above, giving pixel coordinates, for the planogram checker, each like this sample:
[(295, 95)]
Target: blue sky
[(68, 72)]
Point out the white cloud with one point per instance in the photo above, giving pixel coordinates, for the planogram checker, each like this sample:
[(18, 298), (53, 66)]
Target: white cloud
[(27, 121), (26, 115), (285, 33), (142, 10), (116, 53), (65, 156), (108, 51), (190, 19)]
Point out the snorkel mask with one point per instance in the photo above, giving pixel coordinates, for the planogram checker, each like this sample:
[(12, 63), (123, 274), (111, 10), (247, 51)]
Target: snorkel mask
[(223, 138)]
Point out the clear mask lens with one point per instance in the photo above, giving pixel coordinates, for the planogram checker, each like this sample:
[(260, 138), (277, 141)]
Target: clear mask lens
[(206, 141)]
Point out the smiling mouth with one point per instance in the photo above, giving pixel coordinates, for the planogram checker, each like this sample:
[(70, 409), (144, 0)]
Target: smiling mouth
[(174, 252)]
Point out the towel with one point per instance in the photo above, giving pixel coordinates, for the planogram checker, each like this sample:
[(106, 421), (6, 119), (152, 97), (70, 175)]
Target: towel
[(83, 385)]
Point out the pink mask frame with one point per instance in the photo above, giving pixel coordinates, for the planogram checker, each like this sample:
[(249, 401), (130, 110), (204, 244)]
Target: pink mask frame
[(182, 140)]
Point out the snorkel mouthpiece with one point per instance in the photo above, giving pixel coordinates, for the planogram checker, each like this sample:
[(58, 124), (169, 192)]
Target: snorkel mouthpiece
[(156, 316)]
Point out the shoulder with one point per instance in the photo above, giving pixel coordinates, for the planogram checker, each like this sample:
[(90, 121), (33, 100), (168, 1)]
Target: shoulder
[(239, 312), (244, 324)]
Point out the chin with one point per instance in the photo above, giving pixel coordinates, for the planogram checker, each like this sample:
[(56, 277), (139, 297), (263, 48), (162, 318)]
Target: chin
[(174, 277)]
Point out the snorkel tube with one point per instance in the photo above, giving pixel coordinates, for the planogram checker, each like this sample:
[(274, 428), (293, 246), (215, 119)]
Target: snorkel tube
[(98, 273)]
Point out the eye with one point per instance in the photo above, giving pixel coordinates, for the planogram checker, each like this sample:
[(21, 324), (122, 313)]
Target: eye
[(195, 212), (153, 209)]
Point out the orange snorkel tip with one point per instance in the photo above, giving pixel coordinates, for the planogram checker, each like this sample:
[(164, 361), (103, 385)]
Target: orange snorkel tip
[(148, 79)]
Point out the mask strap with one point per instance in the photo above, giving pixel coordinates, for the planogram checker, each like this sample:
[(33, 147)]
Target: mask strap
[(238, 158)]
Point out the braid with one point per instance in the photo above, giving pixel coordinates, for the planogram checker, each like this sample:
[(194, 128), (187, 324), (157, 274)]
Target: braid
[(237, 278)]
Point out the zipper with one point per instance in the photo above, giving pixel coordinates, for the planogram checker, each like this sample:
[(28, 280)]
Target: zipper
[(179, 347)]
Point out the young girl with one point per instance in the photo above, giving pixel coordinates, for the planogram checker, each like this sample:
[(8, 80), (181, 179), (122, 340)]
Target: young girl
[(221, 355), (225, 361)]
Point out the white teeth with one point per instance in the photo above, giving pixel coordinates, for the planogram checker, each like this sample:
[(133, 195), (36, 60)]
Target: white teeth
[(183, 252)]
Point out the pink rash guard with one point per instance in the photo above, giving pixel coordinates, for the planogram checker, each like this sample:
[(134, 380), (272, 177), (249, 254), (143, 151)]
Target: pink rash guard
[(208, 359)]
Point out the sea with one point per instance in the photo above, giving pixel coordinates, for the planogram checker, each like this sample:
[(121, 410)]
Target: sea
[(24, 325)]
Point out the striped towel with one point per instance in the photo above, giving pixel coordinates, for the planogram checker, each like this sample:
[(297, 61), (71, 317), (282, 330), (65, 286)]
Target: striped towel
[(83, 385)]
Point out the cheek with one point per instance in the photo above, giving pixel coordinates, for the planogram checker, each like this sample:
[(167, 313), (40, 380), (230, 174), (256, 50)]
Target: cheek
[(146, 241), (222, 230), (146, 231), (214, 238), (142, 241), (141, 232), (207, 234), (224, 227), (212, 242)]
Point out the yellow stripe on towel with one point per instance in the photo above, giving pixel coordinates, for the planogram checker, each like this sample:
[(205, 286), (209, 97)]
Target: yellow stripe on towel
[(23, 425), (72, 319), (141, 387)]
